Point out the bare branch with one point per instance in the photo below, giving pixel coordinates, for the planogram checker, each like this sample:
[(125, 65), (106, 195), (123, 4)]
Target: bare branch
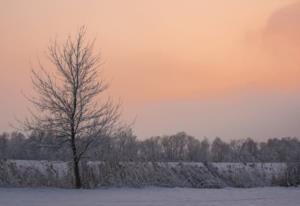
[(65, 100)]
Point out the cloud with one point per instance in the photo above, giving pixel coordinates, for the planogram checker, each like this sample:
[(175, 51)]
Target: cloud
[(274, 52), (283, 28)]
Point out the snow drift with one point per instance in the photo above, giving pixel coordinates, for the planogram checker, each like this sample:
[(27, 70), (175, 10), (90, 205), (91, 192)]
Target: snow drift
[(25, 173)]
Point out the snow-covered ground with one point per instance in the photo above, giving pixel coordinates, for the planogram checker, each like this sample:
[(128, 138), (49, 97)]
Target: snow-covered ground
[(151, 196)]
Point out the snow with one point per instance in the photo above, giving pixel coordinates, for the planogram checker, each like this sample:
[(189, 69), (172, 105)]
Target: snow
[(268, 196), (251, 174), (27, 173), (59, 167)]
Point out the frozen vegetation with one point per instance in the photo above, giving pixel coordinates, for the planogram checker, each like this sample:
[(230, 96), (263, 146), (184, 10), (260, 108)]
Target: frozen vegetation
[(25, 173), (170, 161), (267, 196)]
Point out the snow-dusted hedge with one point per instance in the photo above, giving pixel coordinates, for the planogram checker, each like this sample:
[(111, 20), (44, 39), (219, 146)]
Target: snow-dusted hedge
[(31, 173), (145, 174), (18, 173), (293, 174), (250, 174)]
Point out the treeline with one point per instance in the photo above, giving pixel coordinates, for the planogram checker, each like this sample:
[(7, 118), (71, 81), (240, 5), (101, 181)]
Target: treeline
[(124, 146)]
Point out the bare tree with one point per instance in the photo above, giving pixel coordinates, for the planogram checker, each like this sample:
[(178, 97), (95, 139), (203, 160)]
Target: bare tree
[(66, 103)]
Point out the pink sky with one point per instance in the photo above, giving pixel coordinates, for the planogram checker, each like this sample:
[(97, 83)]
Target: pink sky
[(226, 68)]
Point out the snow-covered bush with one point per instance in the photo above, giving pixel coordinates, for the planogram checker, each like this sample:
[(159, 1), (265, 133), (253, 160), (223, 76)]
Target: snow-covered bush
[(293, 174), (25, 173)]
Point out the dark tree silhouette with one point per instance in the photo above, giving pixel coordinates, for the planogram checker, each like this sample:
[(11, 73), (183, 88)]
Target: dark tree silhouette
[(66, 103)]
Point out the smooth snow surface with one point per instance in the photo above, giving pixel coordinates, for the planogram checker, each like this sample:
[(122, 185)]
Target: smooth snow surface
[(151, 196)]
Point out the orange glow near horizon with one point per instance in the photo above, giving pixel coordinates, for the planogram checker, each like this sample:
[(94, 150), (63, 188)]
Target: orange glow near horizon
[(157, 51)]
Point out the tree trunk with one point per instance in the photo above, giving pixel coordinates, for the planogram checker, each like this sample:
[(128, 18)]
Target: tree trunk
[(77, 174), (75, 165)]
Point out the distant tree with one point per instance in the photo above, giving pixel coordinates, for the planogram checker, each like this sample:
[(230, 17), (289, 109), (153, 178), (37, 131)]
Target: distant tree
[(193, 149), (65, 100), (249, 150), (236, 150), (175, 146), (151, 149), (3, 145), (204, 150), (124, 145), (220, 151), (16, 146)]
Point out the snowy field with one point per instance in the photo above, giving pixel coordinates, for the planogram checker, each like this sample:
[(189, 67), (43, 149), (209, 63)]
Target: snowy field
[(151, 196)]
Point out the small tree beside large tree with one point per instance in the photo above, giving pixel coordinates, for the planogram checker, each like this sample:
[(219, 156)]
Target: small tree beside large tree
[(66, 100)]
